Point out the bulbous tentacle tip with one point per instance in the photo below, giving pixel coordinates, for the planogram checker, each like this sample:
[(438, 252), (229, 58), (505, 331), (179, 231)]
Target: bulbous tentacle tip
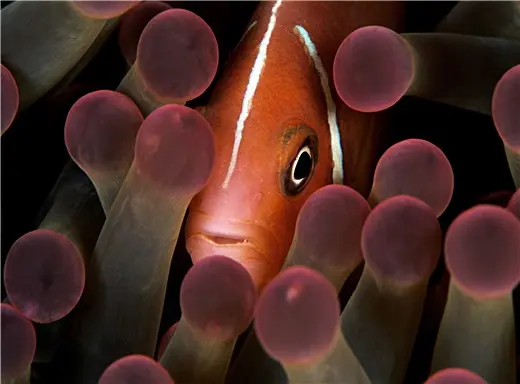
[(218, 298), (135, 369), (402, 241), (373, 68), (103, 10), (416, 168), (514, 203), (506, 108), (18, 342), (165, 340), (44, 275), (329, 225), (175, 149), (177, 56), (132, 25), (482, 251), (10, 99), (297, 316), (455, 376), (101, 129)]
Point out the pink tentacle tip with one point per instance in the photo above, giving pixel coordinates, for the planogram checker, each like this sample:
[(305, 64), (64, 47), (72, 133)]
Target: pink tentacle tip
[(500, 198), (10, 98), (402, 240), (514, 204), (18, 342), (455, 376), (135, 369), (482, 251), (100, 131), (44, 275), (417, 168), (218, 298), (177, 56), (297, 316), (165, 340), (99, 9), (505, 108), (132, 25), (373, 69), (175, 149), (330, 222)]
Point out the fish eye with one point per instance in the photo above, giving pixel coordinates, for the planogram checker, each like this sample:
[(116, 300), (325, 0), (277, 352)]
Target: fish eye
[(301, 168)]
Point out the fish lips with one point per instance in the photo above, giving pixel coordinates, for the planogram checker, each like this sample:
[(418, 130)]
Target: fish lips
[(248, 244)]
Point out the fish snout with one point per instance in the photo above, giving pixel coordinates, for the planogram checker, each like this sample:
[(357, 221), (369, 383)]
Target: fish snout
[(250, 244)]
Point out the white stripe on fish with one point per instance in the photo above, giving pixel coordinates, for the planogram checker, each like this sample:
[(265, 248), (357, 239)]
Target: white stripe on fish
[(335, 137), (247, 103)]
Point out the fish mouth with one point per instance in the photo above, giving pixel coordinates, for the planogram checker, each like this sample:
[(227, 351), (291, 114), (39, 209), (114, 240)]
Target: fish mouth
[(238, 248), (225, 240), (217, 242), (229, 233), (251, 245)]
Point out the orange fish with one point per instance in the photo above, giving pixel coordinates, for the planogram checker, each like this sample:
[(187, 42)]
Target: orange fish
[(282, 132)]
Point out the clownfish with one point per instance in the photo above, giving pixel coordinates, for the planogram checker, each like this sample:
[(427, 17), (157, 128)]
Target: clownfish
[(282, 132)]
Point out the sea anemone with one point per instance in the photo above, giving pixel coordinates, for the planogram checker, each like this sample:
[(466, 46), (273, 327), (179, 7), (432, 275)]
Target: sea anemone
[(86, 282)]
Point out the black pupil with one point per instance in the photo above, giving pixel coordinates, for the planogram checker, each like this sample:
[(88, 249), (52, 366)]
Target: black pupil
[(303, 167)]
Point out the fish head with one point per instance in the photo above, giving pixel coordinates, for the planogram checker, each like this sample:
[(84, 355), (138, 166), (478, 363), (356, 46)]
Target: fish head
[(252, 219), (248, 209)]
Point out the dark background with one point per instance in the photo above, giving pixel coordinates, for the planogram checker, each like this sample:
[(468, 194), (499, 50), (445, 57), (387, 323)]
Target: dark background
[(33, 151)]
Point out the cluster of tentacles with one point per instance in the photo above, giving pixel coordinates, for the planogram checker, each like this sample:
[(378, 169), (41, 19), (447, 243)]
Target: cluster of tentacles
[(88, 285)]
